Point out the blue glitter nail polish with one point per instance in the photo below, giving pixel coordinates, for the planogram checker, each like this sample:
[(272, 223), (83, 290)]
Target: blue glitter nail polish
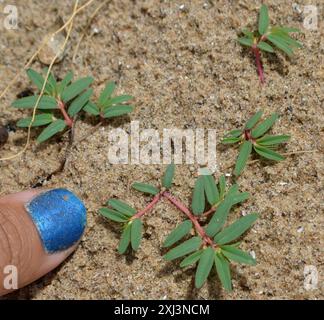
[(60, 218)]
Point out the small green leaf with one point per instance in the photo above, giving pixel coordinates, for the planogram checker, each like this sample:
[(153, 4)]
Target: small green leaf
[(193, 258), (240, 197), (254, 120), (269, 140), (92, 108), (38, 80), (122, 207), (264, 126), (237, 255), (245, 41), (117, 111), (136, 233), (125, 239), (205, 264), (265, 47), (268, 153), (223, 271), (54, 128), (230, 140), (178, 233), (66, 81), (198, 198), (236, 229), (75, 88), (286, 29), (106, 93), (117, 100), (51, 80), (243, 156), (263, 20), (284, 36), (236, 133), (184, 248), (222, 186), (219, 218), (79, 102), (146, 188), (232, 191), (211, 190), (248, 33), (40, 120), (46, 102), (168, 176), (280, 43), (113, 215)]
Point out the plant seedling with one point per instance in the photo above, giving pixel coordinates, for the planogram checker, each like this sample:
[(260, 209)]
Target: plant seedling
[(63, 100), (202, 238), (266, 37), (253, 136)]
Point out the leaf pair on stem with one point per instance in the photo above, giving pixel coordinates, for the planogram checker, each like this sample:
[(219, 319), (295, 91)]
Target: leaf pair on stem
[(253, 137), (200, 239), (63, 100), (266, 37)]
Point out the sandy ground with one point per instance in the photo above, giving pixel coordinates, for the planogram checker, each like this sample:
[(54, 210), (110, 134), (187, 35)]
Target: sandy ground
[(182, 63)]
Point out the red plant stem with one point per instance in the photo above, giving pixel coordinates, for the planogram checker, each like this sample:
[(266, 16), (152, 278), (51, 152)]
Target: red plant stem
[(193, 219), (208, 212), (257, 55), (155, 200), (67, 119)]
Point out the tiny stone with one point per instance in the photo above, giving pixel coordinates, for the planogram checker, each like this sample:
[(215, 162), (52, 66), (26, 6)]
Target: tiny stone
[(52, 48), (182, 6), (300, 229), (228, 174), (252, 253), (95, 30), (3, 136), (296, 8)]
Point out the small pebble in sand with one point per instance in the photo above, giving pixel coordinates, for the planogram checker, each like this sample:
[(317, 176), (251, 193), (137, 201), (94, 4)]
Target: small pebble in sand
[(252, 253), (296, 8), (300, 229), (3, 136)]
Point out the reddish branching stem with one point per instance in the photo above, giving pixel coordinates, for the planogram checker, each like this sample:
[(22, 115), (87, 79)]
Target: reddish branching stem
[(155, 200), (200, 230), (67, 119), (257, 55)]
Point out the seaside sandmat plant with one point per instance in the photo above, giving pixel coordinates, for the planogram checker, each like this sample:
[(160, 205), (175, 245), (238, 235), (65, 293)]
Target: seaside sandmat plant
[(253, 137), (203, 238), (267, 38), (63, 101)]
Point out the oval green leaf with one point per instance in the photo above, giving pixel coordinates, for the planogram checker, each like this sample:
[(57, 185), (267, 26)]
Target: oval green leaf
[(168, 176), (245, 151), (122, 207), (125, 239), (136, 233), (54, 128), (183, 249), (236, 229), (205, 264), (198, 198), (178, 233), (145, 188)]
